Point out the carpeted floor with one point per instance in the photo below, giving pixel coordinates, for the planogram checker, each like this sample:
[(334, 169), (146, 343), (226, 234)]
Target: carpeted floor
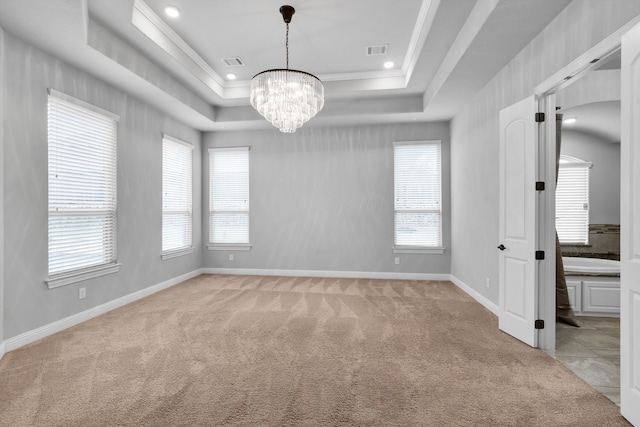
[(281, 351)]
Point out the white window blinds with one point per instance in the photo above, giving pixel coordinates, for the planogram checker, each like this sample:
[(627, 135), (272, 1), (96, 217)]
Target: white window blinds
[(229, 196), (177, 195), (82, 185), (572, 201), (417, 182)]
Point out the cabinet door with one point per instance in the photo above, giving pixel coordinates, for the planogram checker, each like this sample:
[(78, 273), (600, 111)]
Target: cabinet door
[(574, 288), (601, 297)]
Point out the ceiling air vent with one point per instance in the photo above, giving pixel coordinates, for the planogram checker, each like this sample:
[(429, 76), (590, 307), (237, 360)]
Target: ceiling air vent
[(377, 50), (233, 62)]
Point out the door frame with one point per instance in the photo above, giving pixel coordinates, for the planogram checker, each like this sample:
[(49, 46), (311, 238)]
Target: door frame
[(546, 171)]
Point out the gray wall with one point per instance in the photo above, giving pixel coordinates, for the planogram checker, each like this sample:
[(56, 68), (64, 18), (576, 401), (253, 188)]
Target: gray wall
[(322, 199), (475, 136), (1, 190), (28, 302), (604, 176)]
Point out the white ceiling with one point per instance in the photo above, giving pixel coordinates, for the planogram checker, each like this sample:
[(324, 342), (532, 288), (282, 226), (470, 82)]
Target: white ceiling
[(599, 119), (444, 51)]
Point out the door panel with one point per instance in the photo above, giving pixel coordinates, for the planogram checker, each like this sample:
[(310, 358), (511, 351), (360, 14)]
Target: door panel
[(518, 297), (630, 228), (516, 270)]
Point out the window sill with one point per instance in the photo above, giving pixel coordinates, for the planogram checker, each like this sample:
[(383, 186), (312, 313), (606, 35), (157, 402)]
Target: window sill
[(79, 276), (229, 247), (416, 250), (177, 253)]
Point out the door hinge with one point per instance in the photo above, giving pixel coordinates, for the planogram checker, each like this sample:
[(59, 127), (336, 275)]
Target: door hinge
[(540, 186), (539, 255), (539, 324), (539, 117)]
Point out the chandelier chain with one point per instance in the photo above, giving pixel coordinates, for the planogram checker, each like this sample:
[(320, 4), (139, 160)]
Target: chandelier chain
[(287, 45)]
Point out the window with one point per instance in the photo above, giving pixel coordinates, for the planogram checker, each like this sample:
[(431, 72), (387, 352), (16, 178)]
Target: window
[(417, 183), (229, 197), (572, 201), (177, 196), (82, 190)]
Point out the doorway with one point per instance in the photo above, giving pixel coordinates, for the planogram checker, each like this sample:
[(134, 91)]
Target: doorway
[(627, 39), (588, 223)]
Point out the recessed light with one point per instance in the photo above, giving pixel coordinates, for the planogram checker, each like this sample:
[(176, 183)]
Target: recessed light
[(172, 11), (231, 76), (570, 120), (388, 65)]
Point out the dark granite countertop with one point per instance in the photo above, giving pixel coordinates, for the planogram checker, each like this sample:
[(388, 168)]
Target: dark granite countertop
[(583, 274)]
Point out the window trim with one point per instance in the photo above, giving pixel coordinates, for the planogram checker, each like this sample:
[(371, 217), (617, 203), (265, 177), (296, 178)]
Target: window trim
[(81, 275), (177, 253), (84, 273), (414, 249), (217, 246), (185, 250)]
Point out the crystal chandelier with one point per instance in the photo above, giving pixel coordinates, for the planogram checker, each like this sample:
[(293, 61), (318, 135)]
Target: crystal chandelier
[(287, 98)]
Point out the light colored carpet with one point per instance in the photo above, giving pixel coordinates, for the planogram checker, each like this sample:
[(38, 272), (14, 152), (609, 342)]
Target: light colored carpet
[(281, 351)]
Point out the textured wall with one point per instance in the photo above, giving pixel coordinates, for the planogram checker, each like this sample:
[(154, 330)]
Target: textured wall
[(474, 131), (596, 86), (322, 199), (2, 38), (29, 304), (604, 176)]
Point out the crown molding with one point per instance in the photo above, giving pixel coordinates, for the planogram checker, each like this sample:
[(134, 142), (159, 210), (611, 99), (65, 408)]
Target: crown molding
[(160, 33)]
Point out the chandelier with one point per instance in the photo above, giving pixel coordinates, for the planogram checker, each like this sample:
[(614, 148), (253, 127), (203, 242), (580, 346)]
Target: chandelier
[(287, 98)]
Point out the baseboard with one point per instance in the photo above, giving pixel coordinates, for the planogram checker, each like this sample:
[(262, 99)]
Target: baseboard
[(62, 324), (2, 351), (327, 273), (492, 307)]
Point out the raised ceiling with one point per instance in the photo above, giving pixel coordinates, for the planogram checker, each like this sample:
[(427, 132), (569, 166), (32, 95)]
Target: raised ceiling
[(444, 51)]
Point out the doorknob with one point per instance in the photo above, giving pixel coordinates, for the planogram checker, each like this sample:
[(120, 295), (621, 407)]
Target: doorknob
[(502, 247)]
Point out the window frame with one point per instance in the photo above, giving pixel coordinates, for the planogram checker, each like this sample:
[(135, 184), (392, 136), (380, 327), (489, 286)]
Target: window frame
[(89, 270), (420, 249), (186, 176), (569, 162), (239, 246)]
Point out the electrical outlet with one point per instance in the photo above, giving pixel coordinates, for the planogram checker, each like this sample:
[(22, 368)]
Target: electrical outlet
[(230, 257), (397, 260), (82, 293), (488, 282)]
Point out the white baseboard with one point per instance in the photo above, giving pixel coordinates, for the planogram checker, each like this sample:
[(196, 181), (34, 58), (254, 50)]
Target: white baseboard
[(62, 324), (492, 307), (327, 273)]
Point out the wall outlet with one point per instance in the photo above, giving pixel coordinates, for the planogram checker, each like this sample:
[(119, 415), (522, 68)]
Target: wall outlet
[(488, 282), (230, 257), (82, 293), (397, 260)]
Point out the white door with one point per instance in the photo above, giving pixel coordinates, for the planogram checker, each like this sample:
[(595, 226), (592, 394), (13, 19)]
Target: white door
[(630, 229), (516, 248)]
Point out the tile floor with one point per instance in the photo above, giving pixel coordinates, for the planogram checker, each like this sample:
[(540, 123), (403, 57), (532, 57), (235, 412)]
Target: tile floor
[(592, 352)]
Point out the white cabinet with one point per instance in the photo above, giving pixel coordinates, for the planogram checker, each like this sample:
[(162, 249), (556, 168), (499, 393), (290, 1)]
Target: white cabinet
[(601, 297), (574, 288), (594, 296)]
